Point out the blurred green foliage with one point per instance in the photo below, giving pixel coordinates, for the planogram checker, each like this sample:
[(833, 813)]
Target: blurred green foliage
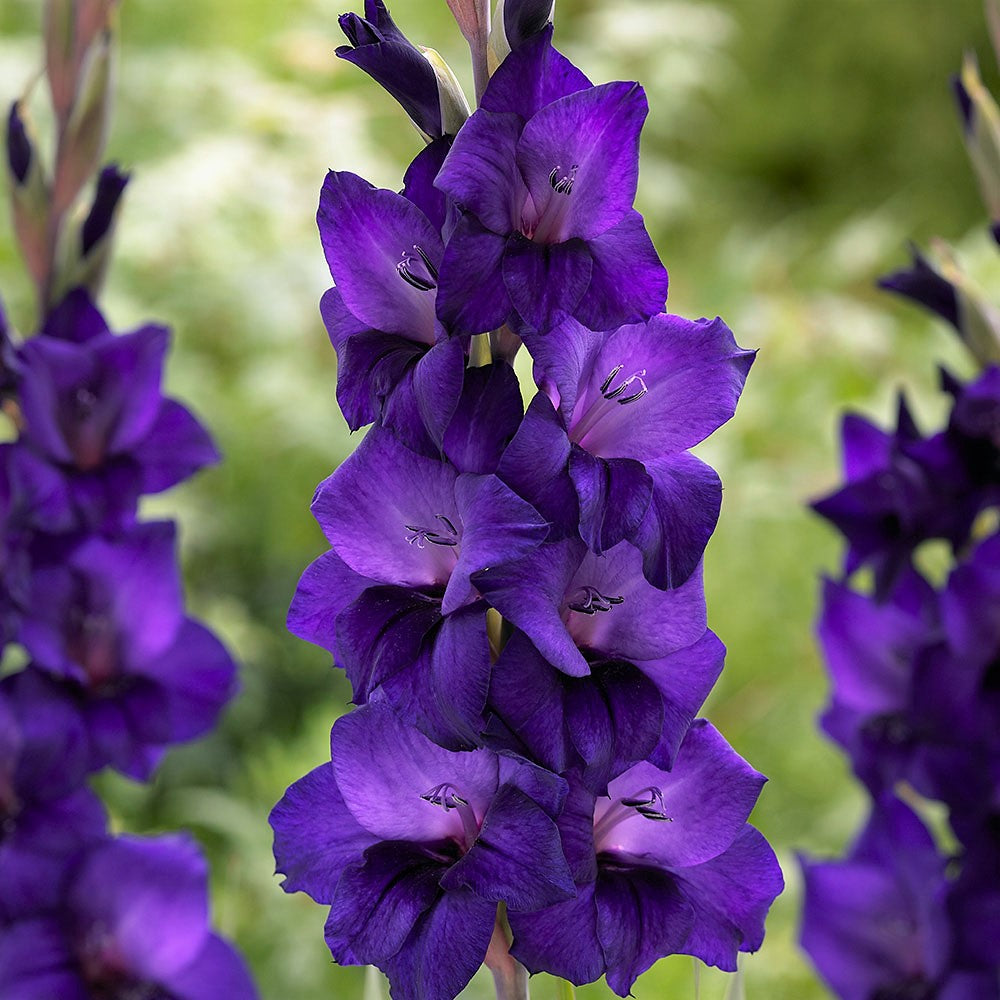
[(792, 149)]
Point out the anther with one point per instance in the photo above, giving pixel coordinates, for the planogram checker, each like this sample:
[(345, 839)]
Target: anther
[(418, 536), (408, 269), (615, 393), (648, 803), (445, 796), (563, 184), (589, 600)]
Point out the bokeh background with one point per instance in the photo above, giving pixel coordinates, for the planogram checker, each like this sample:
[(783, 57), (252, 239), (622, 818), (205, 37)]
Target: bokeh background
[(793, 147)]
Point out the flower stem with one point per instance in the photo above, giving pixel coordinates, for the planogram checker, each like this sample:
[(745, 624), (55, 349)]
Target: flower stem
[(509, 976), (567, 991)]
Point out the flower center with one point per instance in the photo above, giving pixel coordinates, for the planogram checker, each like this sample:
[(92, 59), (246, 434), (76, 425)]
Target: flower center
[(421, 536), (615, 391), (549, 225), (10, 804), (446, 796), (647, 802), (416, 269), (589, 600), (85, 427), (91, 638)]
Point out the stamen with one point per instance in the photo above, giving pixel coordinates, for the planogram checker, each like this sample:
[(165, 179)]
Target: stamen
[(418, 536), (648, 803), (563, 184), (610, 393), (446, 796), (424, 278), (589, 600)]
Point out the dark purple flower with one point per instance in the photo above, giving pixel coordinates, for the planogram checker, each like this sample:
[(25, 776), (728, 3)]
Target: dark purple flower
[(393, 601), (546, 171), (925, 286), (105, 622), (134, 922), (876, 925), (413, 846), (395, 361), (19, 151), (631, 402), (523, 19), (93, 407), (665, 863), (901, 490), (601, 724), (46, 815)]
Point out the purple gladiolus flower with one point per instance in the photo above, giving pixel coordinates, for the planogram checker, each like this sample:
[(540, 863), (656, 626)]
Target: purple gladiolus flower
[(546, 171), (413, 846), (105, 624), (134, 923), (46, 815), (876, 925), (631, 403), (93, 407), (665, 863), (393, 600)]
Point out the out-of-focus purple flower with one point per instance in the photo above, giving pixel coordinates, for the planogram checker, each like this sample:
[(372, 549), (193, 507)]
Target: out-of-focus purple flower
[(19, 151), (393, 600), (413, 846), (901, 490), (876, 924), (632, 403), (111, 184), (46, 815), (665, 863), (134, 922), (93, 407), (104, 621), (546, 171)]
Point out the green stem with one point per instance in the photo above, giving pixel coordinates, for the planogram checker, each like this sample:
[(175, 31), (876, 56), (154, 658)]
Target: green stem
[(567, 991), (509, 977)]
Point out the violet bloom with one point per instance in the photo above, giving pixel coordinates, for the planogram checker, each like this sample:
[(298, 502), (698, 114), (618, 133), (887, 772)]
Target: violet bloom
[(133, 923), (630, 403), (105, 624), (546, 171), (395, 360), (901, 490), (665, 864), (393, 600), (47, 816), (876, 925), (413, 846), (93, 408)]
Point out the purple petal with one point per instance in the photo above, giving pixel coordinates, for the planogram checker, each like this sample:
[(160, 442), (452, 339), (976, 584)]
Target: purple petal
[(472, 296), (593, 135), (75, 319), (641, 917), (532, 76), (135, 362), (379, 900), (545, 281), (216, 971), (731, 895), (517, 858), (628, 283), (315, 835), (384, 767), (437, 386), (660, 388), (176, 447), (563, 358), (708, 796), (614, 496), (487, 417), (383, 496), (561, 940), (368, 234), (418, 185), (481, 173), (445, 949), (36, 963), (922, 284), (148, 895)]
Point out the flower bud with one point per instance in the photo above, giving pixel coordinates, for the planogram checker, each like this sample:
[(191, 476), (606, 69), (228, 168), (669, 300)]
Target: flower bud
[(91, 251), (28, 189), (451, 97), (514, 22), (981, 127), (60, 53), (379, 48), (978, 320)]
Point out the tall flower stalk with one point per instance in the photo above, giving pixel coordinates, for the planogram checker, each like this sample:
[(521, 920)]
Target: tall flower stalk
[(514, 594), (914, 660), (116, 672)]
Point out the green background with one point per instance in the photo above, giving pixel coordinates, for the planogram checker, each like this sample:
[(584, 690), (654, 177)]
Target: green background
[(792, 148)]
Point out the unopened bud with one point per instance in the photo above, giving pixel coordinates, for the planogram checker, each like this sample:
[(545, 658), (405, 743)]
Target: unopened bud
[(451, 98), (978, 320), (92, 17), (28, 192), (60, 53), (514, 22), (981, 121), (88, 266), (87, 129)]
